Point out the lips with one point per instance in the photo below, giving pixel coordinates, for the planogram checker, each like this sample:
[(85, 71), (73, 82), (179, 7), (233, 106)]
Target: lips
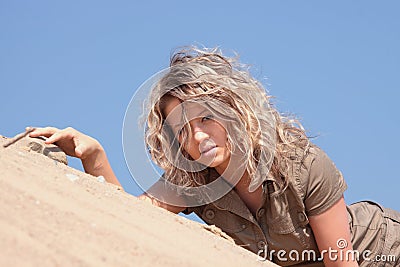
[(207, 148)]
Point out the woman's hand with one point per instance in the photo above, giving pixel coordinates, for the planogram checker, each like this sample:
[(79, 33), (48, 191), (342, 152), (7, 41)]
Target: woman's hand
[(79, 145), (71, 141)]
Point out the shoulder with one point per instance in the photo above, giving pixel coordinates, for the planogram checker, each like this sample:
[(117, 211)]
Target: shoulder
[(318, 180), (319, 166), (313, 161)]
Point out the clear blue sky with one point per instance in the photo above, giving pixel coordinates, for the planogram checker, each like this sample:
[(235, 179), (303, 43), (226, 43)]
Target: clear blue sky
[(335, 64)]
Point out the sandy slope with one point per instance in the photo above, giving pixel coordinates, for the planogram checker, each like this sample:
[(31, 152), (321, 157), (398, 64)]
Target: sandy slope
[(53, 215)]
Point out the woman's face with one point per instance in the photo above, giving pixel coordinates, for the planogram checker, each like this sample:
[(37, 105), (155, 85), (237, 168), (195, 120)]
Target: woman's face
[(207, 141)]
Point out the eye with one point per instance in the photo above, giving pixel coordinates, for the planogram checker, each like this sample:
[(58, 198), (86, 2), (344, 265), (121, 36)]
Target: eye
[(206, 118)]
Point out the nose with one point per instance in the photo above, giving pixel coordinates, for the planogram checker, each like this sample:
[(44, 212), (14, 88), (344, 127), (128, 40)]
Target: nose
[(200, 136), (199, 133)]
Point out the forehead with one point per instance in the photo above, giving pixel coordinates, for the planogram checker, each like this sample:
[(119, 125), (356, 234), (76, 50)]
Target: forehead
[(173, 110)]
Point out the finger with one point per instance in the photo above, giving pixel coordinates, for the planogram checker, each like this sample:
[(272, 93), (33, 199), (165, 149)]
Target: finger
[(83, 150), (56, 137), (80, 150), (46, 131)]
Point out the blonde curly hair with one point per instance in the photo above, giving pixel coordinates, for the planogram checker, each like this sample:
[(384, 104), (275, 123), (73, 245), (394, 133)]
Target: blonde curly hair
[(255, 130)]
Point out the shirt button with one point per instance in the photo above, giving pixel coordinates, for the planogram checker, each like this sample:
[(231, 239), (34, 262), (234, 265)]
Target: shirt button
[(302, 217), (261, 212), (210, 214), (244, 226), (261, 244)]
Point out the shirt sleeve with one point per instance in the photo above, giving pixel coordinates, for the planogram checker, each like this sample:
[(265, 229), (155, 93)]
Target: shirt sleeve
[(324, 185)]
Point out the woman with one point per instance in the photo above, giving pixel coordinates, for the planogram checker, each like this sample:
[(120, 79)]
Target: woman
[(231, 158)]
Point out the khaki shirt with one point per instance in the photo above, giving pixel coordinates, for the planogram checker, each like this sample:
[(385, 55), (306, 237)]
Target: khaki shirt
[(281, 227)]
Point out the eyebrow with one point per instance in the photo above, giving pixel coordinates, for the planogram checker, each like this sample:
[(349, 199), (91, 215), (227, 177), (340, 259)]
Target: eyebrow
[(201, 113)]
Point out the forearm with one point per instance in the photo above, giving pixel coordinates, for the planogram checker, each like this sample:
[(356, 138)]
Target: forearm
[(97, 164)]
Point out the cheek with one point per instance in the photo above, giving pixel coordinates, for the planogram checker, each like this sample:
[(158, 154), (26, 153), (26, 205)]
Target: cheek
[(191, 149), (223, 136), (194, 151)]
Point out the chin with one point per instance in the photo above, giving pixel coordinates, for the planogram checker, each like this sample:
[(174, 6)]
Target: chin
[(216, 163), (211, 165)]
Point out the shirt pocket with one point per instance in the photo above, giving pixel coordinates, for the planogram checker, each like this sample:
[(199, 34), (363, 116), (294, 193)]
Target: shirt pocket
[(278, 216), (224, 219), (289, 225)]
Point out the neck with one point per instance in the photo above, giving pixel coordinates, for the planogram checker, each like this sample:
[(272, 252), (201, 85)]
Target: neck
[(234, 171), (237, 176), (253, 200), (243, 184)]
